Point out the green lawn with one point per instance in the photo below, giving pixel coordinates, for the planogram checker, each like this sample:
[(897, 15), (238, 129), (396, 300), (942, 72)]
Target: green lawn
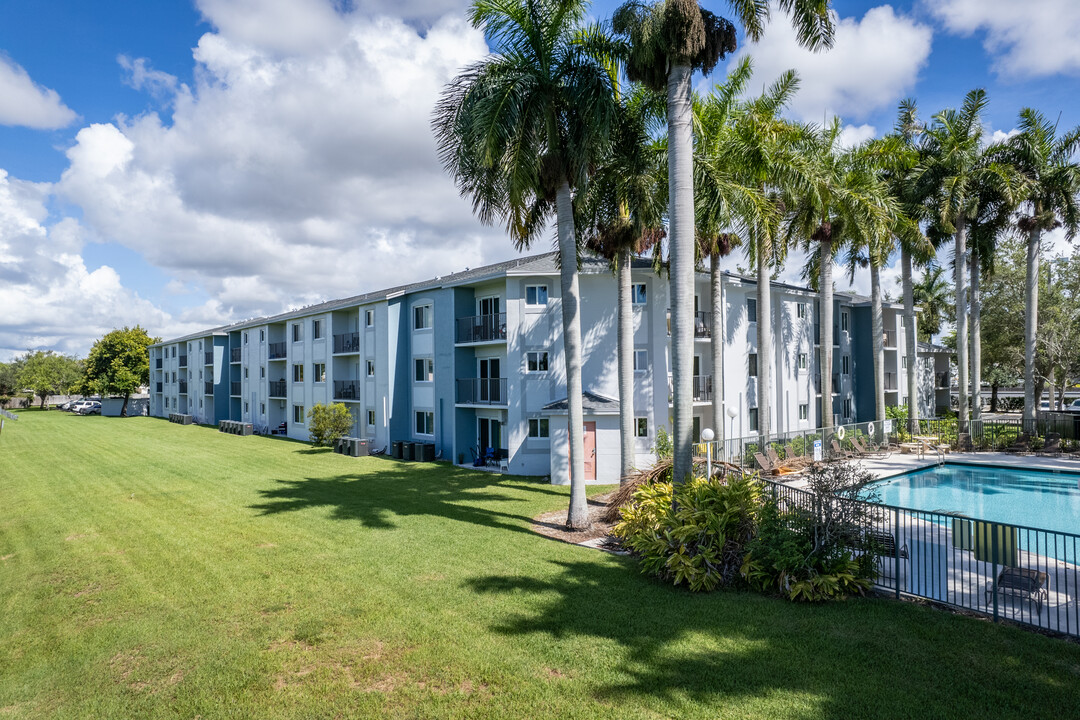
[(153, 570)]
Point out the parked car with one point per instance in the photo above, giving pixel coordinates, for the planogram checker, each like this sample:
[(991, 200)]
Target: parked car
[(93, 408), (1073, 407)]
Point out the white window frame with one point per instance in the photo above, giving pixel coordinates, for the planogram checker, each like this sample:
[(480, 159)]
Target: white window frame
[(298, 369), (804, 411), (298, 410), (316, 329), (537, 291), (639, 294), (533, 361), (427, 418), (369, 318), (752, 414), (423, 316), (845, 322), (751, 303), (371, 368), (425, 367), (539, 428), (316, 376), (800, 310), (371, 417), (803, 361), (637, 427), (641, 360), (297, 332), (752, 366)]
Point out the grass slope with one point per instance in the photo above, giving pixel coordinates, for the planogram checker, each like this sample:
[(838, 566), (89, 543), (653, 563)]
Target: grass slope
[(153, 570)]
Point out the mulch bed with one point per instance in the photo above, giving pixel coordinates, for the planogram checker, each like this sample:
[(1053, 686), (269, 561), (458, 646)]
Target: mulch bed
[(553, 524)]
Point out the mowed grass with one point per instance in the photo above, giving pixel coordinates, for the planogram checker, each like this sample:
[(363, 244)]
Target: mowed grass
[(153, 570)]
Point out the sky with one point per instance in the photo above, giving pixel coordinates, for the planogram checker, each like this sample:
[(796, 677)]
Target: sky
[(188, 163)]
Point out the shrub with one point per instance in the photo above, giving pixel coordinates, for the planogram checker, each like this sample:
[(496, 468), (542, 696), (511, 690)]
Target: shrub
[(663, 447), (327, 423), (806, 553), (700, 538)]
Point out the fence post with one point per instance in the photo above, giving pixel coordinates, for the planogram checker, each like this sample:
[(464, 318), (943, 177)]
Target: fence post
[(896, 548), (994, 563)]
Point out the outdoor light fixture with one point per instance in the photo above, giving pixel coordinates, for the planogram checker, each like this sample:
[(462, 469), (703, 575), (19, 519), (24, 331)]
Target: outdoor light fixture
[(707, 435)]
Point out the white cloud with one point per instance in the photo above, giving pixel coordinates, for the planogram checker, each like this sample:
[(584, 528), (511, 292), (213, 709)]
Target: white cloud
[(1025, 39), (873, 62), (23, 102), (296, 168), (141, 76), (852, 135)]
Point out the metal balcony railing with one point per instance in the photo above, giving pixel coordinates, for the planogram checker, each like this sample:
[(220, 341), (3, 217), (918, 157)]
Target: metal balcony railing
[(278, 389), (183, 387), (702, 324), (481, 391), (157, 387), (941, 380), (890, 338), (346, 390), (702, 388), (890, 381), (157, 364), (183, 361), (347, 343), (208, 388), (234, 388), (208, 357), (234, 355), (481, 328), (276, 350)]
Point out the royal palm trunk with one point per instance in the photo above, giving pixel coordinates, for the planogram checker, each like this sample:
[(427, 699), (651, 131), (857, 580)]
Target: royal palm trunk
[(626, 365), (910, 340), (878, 330), (1031, 321), (976, 338), (717, 332), (764, 338), (961, 323), (825, 334)]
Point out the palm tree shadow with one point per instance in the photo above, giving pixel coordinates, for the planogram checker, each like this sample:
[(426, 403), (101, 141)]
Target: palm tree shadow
[(405, 489)]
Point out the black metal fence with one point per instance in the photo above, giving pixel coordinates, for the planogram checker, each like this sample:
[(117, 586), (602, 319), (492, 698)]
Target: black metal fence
[(347, 343), (1012, 572), (481, 328), (481, 391), (277, 389), (276, 350), (346, 390)]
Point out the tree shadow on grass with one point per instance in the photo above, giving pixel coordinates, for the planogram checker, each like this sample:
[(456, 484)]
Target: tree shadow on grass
[(742, 653), (373, 498)]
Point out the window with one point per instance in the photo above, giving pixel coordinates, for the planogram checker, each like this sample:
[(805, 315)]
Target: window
[(800, 310), (316, 329), (844, 321), (425, 370), (245, 406), (425, 423), (903, 362), (297, 332), (371, 418), (262, 371), (536, 294), (298, 373), (847, 407), (845, 362), (802, 361), (371, 368), (641, 427), (262, 335), (369, 318), (751, 309), (638, 294), (753, 420), (901, 321), (245, 337), (536, 361), (174, 376), (538, 427), (421, 317), (752, 370), (262, 408), (174, 351), (804, 411), (245, 373), (318, 371), (298, 414), (641, 360)]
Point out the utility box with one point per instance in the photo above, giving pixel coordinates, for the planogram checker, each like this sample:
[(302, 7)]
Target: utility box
[(397, 450)]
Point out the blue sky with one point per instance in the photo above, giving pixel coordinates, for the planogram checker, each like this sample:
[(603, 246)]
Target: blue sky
[(185, 164)]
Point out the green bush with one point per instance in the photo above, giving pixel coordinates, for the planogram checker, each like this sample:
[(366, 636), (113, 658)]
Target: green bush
[(700, 538), (327, 423), (663, 447), (805, 553)]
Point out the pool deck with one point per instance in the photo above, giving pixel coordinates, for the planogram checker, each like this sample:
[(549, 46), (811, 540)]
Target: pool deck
[(898, 464)]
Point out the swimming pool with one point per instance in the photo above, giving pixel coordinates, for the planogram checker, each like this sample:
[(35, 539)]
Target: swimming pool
[(1032, 498)]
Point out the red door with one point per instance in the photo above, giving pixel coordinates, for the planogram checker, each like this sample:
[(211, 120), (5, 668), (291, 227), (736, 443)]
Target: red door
[(590, 451)]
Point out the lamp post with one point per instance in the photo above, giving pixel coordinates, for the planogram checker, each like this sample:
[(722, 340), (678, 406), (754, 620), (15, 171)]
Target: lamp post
[(731, 413), (707, 435)]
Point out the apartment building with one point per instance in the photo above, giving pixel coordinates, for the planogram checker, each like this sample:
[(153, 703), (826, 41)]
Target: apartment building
[(473, 361)]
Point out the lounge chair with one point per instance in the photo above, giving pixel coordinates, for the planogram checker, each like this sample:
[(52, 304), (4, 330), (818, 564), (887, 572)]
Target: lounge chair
[(770, 452), (1052, 445), (864, 451), (1022, 444), (839, 452), (793, 459), (763, 462), (1023, 583)]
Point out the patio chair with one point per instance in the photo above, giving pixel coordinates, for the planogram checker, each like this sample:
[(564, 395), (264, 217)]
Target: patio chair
[(770, 452), (1021, 583), (840, 453), (763, 462), (1052, 445), (1022, 444), (875, 453), (792, 458)]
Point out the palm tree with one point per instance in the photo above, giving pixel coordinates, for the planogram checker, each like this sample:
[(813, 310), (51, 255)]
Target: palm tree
[(669, 40), (624, 216), (518, 131), (1047, 163), (931, 294)]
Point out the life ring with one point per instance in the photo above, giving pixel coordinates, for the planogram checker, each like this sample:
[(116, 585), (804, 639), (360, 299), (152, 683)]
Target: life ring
[(869, 428), (841, 432)]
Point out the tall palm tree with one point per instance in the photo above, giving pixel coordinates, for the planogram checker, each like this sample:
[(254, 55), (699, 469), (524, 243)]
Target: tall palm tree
[(623, 211), (669, 40), (518, 131), (1047, 162), (931, 293)]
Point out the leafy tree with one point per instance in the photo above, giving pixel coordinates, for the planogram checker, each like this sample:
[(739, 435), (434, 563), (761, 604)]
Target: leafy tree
[(48, 373), (327, 423), (519, 131), (9, 373), (119, 363)]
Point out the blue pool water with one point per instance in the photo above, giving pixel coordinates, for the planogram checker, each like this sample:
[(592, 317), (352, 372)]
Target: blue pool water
[(1037, 499)]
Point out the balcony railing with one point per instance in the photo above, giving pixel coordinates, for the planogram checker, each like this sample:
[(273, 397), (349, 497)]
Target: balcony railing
[(234, 355), (183, 387), (346, 390), (702, 324), (277, 350), (890, 381), (890, 338), (702, 388), (208, 388), (157, 364), (481, 391), (277, 389), (208, 357), (941, 380), (347, 343), (234, 388), (481, 328), (157, 387), (183, 361)]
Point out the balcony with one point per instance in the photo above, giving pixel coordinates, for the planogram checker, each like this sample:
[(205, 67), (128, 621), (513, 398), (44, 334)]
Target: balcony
[(183, 387), (890, 338), (347, 343), (481, 391), (702, 388), (157, 387), (346, 390), (183, 361), (234, 355), (277, 351), (157, 364), (234, 388), (208, 357), (890, 381), (277, 389), (208, 388), (702, 324), (481, 328), (941, 381)]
